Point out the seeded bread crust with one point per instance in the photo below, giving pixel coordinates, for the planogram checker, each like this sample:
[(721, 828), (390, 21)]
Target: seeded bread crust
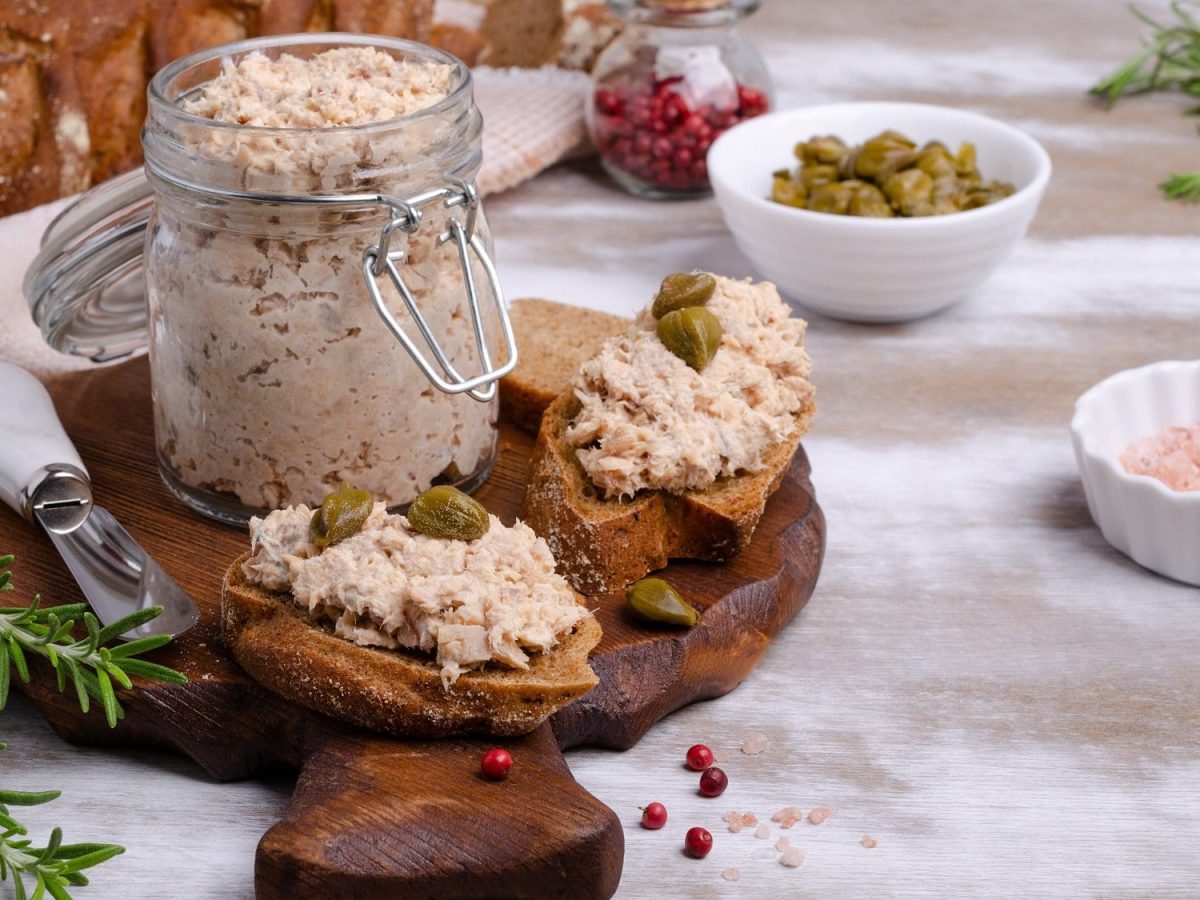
[(555, 340), (394, 691)]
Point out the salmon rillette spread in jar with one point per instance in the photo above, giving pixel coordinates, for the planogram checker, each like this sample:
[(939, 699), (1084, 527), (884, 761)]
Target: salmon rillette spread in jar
[(315, 264)]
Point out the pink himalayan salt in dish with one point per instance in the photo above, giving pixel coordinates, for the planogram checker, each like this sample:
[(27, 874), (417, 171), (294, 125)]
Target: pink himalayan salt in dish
[(1172, 456)]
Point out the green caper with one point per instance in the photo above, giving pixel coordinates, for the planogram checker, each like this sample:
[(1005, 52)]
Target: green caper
[(909, 191), (964, 162), (340, 515), (827, 149), (654, 599), (692, 334), (446, 512), (869, 201), (936, 161), (882, 156), (947, 194), (848, 162), (681, 290), (787, 191), (816, 174), (831, 198)]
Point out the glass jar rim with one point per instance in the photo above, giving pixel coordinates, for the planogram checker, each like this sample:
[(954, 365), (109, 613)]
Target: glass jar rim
[(160, 98)]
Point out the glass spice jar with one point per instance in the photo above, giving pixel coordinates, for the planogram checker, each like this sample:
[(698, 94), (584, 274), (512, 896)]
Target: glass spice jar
[(680, 75), (319, 300)]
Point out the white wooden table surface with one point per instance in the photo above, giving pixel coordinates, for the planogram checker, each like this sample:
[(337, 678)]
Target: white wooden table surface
[(1007, 705)]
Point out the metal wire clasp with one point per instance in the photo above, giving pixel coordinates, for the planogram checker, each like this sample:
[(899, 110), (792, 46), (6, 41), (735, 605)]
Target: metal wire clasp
[(406, 216)]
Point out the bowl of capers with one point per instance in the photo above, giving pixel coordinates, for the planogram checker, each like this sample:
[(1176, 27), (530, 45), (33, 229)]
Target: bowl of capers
[(877, 212)]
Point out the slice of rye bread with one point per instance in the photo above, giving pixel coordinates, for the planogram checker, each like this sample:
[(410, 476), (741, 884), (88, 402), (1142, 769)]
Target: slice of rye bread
[(602, 546), (394, 691), (554, 340)]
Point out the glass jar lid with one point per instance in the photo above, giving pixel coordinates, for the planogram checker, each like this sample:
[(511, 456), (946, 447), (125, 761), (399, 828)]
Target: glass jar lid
[(85, 288)]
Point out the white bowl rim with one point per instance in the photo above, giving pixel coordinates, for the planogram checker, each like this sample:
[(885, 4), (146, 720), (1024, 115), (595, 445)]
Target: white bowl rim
[(1038, 184), (1110, 463)]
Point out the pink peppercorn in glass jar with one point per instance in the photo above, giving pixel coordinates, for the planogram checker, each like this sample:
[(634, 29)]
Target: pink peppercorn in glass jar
[(678, 77)]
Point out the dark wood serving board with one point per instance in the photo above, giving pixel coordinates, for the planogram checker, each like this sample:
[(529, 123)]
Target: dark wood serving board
[(376, 817)]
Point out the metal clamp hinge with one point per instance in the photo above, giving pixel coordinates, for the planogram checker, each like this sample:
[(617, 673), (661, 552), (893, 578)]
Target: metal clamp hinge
[(406, 216)]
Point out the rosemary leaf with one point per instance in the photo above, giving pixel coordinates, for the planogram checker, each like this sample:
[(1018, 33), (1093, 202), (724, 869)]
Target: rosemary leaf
[(1184, 187)]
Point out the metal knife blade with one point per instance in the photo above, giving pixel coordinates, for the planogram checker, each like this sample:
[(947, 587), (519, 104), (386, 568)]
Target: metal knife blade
[(43, 478), (118, 577)]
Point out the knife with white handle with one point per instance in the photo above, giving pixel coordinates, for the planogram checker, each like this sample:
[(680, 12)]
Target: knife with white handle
[(43, 479)]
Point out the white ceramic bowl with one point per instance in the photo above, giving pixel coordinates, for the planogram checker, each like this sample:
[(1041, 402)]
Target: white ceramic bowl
[(1140, 516), (874, 270)]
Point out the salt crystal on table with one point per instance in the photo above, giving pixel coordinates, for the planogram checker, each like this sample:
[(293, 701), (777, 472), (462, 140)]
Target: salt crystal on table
[(749, 819), (731, 874), (763, 832), (819, 815), (869, 842), (734, 819), (1172, 456), (783, 843), (755, 744), (793, 857), (788, 816)]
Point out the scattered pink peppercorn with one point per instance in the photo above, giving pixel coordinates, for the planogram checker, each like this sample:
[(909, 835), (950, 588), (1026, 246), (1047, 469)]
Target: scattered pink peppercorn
[(496, 764), (699, 758), (713, 782), (654, 816), (698, 842)]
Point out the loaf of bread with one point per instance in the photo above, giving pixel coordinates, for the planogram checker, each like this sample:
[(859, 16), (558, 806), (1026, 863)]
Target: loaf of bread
[(73, 73)]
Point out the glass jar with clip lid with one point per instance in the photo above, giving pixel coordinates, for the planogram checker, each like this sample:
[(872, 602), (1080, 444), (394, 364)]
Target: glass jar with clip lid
[(307, 259)]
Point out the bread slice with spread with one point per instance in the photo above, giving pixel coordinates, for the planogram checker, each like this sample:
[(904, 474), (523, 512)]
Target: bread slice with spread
[(669, 440), (408, 625)]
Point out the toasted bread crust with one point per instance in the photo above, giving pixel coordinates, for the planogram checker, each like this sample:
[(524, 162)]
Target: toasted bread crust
[(605, 545), (396, 692), (555, 340)]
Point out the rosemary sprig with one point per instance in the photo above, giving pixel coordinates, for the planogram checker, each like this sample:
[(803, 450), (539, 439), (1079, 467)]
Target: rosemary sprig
[(91, 667), (52, 868), (1169, 60)]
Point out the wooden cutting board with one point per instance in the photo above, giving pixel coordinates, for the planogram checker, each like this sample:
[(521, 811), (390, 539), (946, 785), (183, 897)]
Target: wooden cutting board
[(376, 817)]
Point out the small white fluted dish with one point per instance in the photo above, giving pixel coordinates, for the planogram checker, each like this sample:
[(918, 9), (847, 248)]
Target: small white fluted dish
[(1143, 518), (874, 270)]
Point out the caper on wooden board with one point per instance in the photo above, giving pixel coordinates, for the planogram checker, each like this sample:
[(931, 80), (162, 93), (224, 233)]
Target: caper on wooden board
[(888, 176)]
